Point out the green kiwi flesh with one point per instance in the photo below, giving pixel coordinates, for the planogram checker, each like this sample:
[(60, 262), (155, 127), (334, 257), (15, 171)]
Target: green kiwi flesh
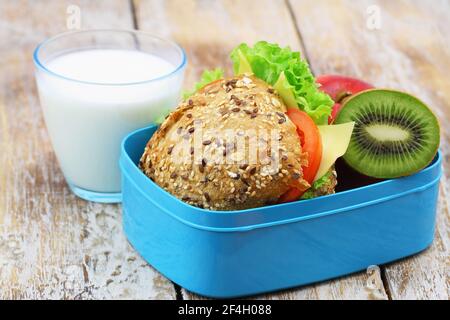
[(395, 133)]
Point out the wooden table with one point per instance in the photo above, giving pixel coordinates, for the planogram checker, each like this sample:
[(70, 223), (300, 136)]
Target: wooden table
[(56, 246)]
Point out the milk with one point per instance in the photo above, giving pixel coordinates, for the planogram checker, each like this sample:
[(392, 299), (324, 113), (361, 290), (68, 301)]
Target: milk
[(92, 99)]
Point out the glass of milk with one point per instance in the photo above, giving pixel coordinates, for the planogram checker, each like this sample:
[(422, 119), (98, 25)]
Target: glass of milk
[(95, 87)]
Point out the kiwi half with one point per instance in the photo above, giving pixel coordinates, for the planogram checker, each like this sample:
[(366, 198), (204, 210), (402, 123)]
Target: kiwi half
[(395, 133)]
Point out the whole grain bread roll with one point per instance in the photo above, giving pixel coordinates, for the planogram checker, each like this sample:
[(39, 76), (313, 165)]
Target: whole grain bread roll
[(229, 147)]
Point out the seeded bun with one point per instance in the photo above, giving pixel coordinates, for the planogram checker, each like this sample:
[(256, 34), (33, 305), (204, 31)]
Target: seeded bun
[(194, 157)]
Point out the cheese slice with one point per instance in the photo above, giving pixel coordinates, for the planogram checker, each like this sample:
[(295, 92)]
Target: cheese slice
[(335, 141), (244, 65), (285, 92), (282, 86)]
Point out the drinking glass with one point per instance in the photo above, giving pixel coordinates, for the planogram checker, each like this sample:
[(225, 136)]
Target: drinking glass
[(87, 120)]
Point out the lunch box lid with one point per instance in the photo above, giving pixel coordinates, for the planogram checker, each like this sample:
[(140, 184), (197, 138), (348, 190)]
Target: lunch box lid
[(134, 180)]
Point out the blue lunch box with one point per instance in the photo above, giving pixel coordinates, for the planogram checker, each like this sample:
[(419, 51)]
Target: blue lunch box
[(246, 252)]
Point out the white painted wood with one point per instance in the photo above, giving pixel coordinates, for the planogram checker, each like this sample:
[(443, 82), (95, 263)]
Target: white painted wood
[(53, 245), (209, 30), (410, 52)]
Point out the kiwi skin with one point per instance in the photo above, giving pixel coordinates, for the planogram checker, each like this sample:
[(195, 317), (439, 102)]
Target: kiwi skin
[(409, 96)]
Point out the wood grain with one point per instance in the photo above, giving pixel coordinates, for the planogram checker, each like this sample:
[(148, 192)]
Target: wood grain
[(409, 52), (52, 244), (209, 30)]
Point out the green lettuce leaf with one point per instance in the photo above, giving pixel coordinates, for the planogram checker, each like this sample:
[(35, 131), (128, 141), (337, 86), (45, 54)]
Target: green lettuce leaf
[(319, 183), (207, 77), (288, 73), (160, 119)]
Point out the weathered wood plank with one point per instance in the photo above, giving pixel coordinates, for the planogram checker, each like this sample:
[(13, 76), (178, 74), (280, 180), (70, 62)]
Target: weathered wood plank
[(53, 245), (208, 30), (410, 52)]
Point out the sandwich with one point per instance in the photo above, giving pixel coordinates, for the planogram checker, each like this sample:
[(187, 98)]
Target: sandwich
[(256, 138)]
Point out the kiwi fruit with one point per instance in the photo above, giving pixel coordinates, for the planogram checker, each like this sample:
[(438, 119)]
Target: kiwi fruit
[(395, 133)]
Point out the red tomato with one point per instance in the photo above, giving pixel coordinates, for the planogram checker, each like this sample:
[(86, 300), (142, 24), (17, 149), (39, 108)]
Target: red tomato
[(292, 194), (311, 144)]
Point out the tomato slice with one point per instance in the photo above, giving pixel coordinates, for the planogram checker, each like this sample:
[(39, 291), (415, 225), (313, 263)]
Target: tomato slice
[(311, 144), (291, 195)]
